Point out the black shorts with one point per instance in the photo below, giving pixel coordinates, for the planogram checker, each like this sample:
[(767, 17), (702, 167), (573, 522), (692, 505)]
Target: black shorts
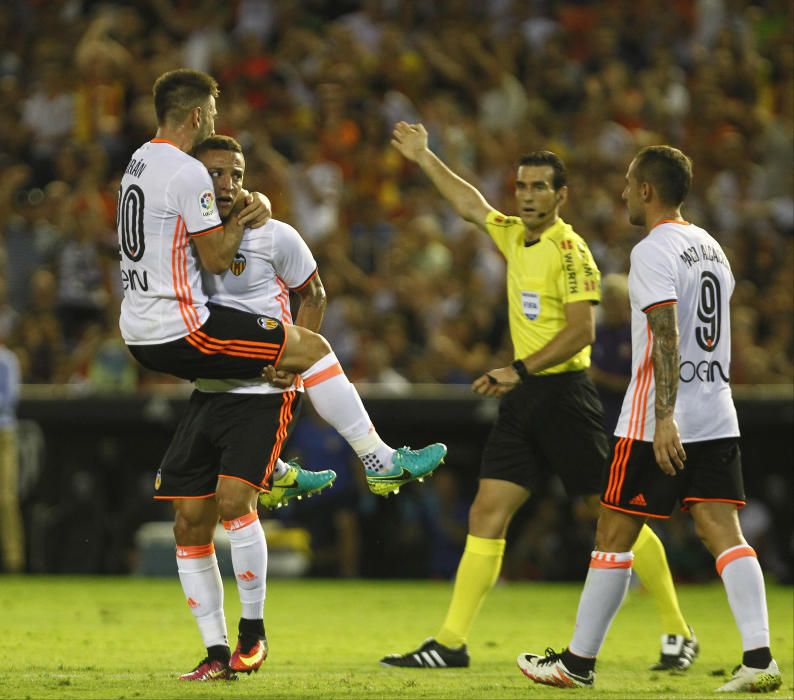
[(234, 436), (550, 424), (231, 344), (634, 483)]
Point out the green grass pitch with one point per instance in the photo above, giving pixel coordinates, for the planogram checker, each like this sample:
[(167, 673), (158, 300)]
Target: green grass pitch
[(130, 637)]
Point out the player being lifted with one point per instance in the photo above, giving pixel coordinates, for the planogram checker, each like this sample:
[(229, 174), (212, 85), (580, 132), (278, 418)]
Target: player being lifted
[(677, 436), (168, 221), (550, 418)]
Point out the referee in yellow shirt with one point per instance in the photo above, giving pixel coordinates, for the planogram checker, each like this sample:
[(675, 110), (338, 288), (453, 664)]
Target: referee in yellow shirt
[(550, 416)]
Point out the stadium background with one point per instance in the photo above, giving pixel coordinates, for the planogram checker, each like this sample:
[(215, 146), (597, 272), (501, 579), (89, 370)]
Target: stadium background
[(312, 90)]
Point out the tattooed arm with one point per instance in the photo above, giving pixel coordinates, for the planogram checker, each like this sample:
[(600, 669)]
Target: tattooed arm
[(667, 446)]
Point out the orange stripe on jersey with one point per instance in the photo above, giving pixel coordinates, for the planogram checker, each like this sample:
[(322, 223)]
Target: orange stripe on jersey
[(194, 551), (659, 304), (322, 375), (174, 281), (170, 143), (641, 388), (175, 276), (732, 555), (206, 231), (284, 418), (648, 377), (283, 300), (671, 221), (241, 522), (184, 296), (194, 312), (309, 279)]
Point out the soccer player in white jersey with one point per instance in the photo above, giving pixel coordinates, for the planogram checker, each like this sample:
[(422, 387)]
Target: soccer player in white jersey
[(168, 224), (226, 447), (677, 436)]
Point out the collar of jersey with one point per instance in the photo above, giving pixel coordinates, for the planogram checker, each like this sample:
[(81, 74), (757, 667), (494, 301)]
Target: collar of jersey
[(551, 229), (170, 143), (670, 221)]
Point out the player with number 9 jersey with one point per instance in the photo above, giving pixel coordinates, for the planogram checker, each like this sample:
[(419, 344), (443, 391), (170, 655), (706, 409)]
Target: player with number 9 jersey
[(680, 263)]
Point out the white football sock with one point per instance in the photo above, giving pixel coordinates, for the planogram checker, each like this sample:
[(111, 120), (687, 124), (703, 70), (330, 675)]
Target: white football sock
[(604, 589), (203, 587), (249, 560), (337, 402), (744, 583)]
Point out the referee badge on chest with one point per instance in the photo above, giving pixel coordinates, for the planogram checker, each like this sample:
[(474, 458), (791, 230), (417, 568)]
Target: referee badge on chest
[(530, 304)]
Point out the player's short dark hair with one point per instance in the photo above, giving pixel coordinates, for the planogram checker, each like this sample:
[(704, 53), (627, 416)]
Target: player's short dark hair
[(178, 91), (667, 169), (217, 142), (560, 178)]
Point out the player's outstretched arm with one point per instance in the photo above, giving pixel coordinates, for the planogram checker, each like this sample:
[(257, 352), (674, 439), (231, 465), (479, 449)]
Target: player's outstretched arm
[(411, 141), (667, 447)]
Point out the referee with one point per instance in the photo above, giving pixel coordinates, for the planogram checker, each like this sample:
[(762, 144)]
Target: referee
[(550, 417)]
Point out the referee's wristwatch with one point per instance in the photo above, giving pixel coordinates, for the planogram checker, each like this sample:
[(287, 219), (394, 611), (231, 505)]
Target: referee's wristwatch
[(521, 370)]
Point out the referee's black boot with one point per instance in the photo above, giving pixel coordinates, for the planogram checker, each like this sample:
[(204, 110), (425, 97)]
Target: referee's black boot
[(430, 655)]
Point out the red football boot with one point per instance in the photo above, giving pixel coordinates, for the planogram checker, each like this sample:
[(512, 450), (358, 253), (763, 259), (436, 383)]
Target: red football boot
[(210, 671), (249, 660)]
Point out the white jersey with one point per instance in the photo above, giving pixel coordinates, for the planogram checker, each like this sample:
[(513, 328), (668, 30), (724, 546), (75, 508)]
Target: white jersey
[(271, 261), (166, 197), (681, 263)]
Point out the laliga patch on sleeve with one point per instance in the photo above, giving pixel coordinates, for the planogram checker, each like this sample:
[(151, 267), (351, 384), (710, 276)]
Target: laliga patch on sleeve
[(207, 203)]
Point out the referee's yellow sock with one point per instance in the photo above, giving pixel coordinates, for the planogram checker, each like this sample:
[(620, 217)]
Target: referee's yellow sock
[(650, 564), (477, 573)]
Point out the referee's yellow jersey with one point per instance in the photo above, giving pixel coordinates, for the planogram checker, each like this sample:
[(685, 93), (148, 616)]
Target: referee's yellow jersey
[(541, 278)]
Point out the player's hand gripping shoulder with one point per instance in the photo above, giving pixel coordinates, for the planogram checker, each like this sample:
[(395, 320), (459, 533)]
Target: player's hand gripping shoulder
[(255, 210), (667, 447), (410, 140), (496, 382)]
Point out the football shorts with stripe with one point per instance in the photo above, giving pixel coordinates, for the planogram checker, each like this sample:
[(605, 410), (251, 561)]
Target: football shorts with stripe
[(231, 344), (633, 482), (225, 435)]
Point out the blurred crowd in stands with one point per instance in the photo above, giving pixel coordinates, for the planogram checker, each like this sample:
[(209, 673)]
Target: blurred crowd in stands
[(312, 89)]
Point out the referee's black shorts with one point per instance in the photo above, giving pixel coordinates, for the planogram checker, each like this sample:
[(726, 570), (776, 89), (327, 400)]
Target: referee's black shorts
[(550, 424), (231, 344)]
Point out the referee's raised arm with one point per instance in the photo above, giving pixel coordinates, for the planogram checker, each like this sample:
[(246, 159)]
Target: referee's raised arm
[(411, 141)]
